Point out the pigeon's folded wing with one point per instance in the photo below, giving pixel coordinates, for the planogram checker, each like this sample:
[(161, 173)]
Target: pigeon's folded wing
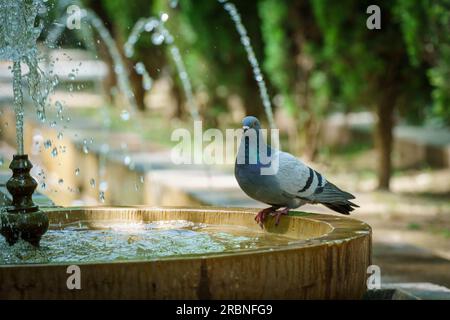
[(295, 178)]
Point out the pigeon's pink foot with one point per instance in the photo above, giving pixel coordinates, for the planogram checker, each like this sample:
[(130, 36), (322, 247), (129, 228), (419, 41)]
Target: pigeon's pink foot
[(261, 216), (279, 213)]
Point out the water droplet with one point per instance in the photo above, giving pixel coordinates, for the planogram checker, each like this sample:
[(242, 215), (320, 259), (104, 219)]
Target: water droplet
[(54, 152), (140, 68), (118, 69), (60, 135), (157, 38), (129, 51), (77, 171), (59, 108), (147, 82), (103, 186), (149, 26), (164, 17), (48, 144), (125, 115), (92, 183), (60, 181), (101, 196)]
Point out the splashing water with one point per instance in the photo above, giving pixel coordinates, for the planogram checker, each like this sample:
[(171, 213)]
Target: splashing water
[(146, 79), (104, 241), (120, 70), (89, 18), (18, 37), (245, 40), (56, 32), (159, 36)]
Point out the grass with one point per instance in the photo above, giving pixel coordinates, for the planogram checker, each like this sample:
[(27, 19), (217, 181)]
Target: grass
[(353, 149), (414, 226), (441, 231), (446, 233)]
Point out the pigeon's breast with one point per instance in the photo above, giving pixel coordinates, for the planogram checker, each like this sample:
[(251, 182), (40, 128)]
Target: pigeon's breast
[(264, 188)]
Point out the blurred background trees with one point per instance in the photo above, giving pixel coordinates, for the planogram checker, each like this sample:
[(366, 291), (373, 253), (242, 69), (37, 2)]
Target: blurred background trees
[(318, 58)]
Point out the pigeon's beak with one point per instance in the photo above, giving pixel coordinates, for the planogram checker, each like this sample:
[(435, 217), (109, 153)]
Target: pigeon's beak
[(245, 128)]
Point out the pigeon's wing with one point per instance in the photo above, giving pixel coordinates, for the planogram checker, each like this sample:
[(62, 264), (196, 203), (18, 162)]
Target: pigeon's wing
[(297, 179), (300, 181)]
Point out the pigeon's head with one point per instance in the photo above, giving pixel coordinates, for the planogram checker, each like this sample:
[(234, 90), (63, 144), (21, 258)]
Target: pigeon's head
[(250, 122)]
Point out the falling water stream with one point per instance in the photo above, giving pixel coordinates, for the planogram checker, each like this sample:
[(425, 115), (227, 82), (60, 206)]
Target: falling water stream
[(162, 35), (18, 36), (119, 66), (18, 105), (245, 40)]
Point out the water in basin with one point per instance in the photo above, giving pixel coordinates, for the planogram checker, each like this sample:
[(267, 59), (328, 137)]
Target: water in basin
[(106, 241)]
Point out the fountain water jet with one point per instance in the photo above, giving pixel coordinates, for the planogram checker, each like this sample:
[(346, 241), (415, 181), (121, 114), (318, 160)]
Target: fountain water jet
[(119, 66), (18, 44), (245, 40), (162, 35), (90, 18)]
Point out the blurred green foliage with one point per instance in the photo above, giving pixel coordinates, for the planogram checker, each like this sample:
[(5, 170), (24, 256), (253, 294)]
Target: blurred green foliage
[(318, 57), (347, 60), (425, 25), (278, 62), (214, 57)]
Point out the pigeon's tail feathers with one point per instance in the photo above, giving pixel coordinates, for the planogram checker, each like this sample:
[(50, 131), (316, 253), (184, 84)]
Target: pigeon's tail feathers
[(329, 193), (332, 190), (344, 208), (334, 198)]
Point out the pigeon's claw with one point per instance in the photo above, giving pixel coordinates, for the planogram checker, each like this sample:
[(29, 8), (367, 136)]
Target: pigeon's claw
[(261, 216), (278, 214)]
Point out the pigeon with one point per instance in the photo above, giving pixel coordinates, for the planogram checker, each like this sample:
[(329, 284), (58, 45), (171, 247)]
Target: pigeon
[(288, 185)]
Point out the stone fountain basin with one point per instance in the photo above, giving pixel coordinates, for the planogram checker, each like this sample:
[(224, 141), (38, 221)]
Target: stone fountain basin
[(327, 259)]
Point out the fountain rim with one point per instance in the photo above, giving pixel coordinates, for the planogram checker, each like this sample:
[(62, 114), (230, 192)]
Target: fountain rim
[(333, 237)]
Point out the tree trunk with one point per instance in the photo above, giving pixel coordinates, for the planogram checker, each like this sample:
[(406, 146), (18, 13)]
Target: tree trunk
[(137, 87), (179, 111), (253, 104), (383, 140), (311, 132)]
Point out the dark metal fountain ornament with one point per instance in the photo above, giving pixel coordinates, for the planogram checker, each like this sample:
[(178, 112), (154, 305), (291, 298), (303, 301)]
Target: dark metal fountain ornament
[(18, 36), (23, 219)]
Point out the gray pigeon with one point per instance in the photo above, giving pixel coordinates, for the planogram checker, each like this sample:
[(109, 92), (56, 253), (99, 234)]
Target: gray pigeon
[(292, 183)]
